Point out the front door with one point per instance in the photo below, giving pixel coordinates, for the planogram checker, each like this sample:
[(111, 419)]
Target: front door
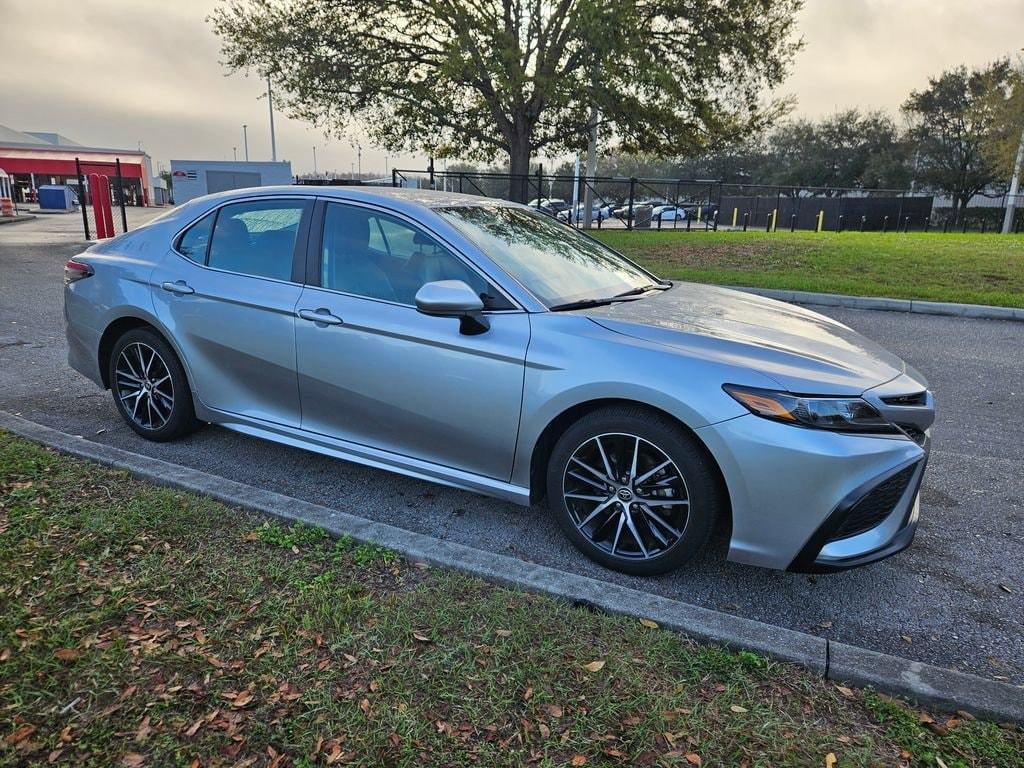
[(375, 371), (227, 295)]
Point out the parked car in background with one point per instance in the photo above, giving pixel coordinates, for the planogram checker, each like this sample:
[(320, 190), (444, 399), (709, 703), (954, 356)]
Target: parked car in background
[(552, 206), (483, 345), (669, 213), (598, 212), (639, 208)]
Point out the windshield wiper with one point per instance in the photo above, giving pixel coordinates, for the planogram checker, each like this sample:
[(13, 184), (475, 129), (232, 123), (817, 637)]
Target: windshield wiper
[(644, 289), (581, 304), (624, 296)]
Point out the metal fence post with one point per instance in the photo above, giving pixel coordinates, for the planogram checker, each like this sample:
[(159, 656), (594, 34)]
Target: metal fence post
[(120, 194), (81, 197), (430, 172), (394, 177), (885, 224), (632, 190)]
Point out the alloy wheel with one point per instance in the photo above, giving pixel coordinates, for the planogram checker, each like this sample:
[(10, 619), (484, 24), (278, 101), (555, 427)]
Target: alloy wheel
[(144, 386), (626, 496)]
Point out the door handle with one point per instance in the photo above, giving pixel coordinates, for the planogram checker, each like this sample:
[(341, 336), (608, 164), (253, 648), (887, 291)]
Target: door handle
[(179, 287), (321, 315)]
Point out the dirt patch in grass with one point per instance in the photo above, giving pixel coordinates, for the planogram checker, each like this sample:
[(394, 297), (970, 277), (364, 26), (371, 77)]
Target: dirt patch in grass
[(147, 627)]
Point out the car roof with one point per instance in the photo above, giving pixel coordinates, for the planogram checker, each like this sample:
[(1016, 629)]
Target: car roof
[(395, 197)]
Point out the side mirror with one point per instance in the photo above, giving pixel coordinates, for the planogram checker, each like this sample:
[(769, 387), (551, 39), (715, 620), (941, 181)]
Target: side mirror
[(453, 298)]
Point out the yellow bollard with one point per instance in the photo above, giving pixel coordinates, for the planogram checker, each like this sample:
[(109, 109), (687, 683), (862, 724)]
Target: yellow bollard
[(775, 212), (735, 213), (698, 214), (821, 219)]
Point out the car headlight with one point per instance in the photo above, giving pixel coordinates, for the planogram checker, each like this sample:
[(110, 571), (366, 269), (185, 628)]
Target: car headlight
[(841, 414)]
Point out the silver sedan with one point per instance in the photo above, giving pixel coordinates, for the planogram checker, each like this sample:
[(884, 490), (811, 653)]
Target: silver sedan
[(483, 345)]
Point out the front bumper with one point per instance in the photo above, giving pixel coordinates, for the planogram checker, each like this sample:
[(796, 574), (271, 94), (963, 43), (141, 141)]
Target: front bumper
[(794, 493), (889, 531)]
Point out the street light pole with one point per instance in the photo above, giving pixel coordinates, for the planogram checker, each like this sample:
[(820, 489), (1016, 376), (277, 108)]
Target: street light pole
[(1011, 197), (234, 151), (245, 140), (359, 160), (314, 160), (273, 141)]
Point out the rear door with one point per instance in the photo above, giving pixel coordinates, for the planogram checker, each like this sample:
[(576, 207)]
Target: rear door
[(227, 293), (374, 370)]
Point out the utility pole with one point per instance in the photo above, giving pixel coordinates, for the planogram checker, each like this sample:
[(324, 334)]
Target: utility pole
[(1011, 197), (359, 160), (234, 151), (245, 140), (591, 171), (273, 141), (314, 160)]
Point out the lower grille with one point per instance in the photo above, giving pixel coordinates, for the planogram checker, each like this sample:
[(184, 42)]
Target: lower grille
[(875, 506)]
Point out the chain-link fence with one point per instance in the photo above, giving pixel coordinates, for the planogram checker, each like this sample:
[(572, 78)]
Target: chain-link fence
[(687, 204)]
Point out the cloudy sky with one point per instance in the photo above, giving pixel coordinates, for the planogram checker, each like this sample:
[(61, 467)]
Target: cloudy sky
[(119, 72)]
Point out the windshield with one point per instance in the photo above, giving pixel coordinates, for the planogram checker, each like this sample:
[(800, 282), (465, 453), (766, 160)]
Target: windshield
[(554, 262)]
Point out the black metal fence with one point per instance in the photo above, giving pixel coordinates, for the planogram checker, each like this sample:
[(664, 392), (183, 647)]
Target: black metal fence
[(649, 203)]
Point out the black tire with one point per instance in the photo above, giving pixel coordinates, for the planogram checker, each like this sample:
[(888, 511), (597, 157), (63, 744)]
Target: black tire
[(620, 426), (168, 419)]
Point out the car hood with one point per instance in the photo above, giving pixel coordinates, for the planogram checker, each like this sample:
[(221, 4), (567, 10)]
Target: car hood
[(803, 351)]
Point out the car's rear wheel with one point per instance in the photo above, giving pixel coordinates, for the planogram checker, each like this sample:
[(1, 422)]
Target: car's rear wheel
[(633, 490), (149, 386)]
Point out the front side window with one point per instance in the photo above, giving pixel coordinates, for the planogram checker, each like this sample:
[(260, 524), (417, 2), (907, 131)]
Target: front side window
[(257, 238), (371, 254), (554, 262), (194, 242)]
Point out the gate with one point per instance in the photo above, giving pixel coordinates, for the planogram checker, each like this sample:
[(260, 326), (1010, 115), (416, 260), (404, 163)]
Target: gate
[(101, 189)]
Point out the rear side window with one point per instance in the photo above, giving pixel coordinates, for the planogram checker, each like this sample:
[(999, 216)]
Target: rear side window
[(257, 238), (194, 241)]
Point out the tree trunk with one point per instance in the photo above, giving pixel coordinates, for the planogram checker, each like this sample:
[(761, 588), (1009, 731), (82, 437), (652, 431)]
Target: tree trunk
[(519, 169)]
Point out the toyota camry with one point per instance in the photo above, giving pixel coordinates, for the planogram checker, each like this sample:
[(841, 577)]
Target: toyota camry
[(483, 345)]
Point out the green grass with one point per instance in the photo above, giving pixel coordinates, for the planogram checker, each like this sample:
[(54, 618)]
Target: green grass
[(973, 269), (145, 626)]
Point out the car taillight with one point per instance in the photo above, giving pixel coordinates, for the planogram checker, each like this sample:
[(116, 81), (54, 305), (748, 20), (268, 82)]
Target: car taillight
[(76, 270)]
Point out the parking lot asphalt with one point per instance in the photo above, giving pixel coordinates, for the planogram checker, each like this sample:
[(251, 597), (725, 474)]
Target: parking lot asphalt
[(955, 598)]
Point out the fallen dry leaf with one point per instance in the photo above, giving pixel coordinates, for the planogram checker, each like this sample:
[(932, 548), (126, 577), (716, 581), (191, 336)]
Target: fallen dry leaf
[(649, 624), (133, 760), (144, 730), (594, 666), (65, 654), (693, 758), (738, 709), (503, 632), (830, 759), (421, 638), (845, 691), (553, 709), (20, 735), (242, 699), (578, 760)]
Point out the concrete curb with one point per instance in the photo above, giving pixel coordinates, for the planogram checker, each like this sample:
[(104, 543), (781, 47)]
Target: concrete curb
[(929, 685), (888, 305)]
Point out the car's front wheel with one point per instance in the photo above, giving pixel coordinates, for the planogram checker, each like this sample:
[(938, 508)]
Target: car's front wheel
[(150, 388), (633, 490)]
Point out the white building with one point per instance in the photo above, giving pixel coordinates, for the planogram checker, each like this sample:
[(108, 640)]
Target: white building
[(194, 178)]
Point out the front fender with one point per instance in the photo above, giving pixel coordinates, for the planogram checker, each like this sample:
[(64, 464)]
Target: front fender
[(573, 360)]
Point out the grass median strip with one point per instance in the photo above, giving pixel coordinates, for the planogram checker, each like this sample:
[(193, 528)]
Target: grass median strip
[(970, 269), (146, 626)]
